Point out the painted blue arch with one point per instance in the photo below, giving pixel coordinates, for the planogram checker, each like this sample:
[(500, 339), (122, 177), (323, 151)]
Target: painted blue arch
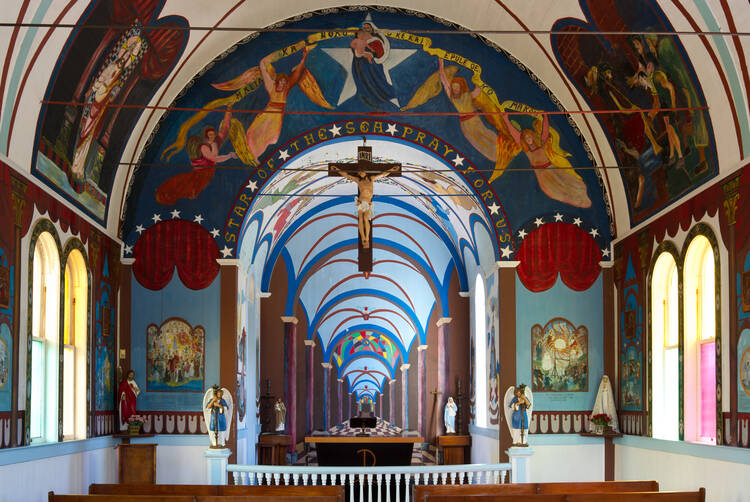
[(361, 327), (367, 355), (312, 326)]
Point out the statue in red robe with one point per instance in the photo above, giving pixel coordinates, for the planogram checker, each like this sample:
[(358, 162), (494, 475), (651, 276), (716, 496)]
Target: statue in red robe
[(128, 393)]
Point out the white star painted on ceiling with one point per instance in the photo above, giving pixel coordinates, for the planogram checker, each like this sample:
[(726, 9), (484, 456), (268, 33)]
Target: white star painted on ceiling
[(284, 154), (594, 232), (175, 214), (391, 129), (198, 219), (558, 217), (345, 57), (156, 218), (335, 130), (494, 208), (226, 252), (538, 222), (506, 252), (139, 229), (252, 186), (458, 161), (128, 249), (215, 232), (522, 233), (605, 253), (577, 222)]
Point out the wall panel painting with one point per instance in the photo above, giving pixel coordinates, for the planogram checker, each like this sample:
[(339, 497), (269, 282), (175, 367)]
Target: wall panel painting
[(559, 357), (175, 357), (4, 363), (743, 372)]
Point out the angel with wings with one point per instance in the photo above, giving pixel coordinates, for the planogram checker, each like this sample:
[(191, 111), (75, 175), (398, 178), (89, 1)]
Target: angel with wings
[(265, 128), (217, 411), (518, 407)]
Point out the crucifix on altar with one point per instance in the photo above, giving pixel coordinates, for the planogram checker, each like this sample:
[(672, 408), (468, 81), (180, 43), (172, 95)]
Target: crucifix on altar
[(364, 172)]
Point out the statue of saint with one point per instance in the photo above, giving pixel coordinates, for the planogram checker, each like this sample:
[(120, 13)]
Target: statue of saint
[(217, 411), (280, 411), (449, 416), (518, 408), (605, 403), (128, 393)]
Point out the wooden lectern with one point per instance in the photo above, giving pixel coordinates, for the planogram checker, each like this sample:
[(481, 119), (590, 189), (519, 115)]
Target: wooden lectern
[(272, 448), (454, 449)]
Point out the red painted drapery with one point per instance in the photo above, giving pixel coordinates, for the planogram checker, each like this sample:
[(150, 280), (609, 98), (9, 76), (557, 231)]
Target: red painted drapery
[(176, 243), (558, 248)]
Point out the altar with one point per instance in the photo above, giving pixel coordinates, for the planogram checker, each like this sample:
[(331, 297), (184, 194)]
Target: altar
[(367, 451)]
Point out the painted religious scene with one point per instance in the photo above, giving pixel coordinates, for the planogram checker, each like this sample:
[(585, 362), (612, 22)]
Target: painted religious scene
[(560, 353), (175, 357)]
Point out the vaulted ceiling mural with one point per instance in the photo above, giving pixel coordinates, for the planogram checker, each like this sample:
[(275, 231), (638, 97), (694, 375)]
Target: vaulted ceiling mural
[(495, 158)]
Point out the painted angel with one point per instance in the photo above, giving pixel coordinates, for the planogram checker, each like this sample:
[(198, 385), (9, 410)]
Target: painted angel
[(265, 128), (217, 411), (518, 403)]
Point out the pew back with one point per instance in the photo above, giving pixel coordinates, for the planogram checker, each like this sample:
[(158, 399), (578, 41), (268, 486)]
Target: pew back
[(120, 498), (697, 496), (124, 489), (420, 491), (216, 490)]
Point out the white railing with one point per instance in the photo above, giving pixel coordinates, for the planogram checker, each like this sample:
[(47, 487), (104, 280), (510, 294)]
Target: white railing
[(381, 482)]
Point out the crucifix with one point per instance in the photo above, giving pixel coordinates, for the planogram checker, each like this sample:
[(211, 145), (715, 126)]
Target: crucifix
[(364, 172)]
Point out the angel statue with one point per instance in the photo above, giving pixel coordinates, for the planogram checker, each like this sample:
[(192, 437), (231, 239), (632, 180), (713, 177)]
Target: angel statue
[(518, 408), (217, 411)]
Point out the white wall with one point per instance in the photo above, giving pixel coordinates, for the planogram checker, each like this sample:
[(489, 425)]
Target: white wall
[(181, 465), (65, 474), (724, 480)]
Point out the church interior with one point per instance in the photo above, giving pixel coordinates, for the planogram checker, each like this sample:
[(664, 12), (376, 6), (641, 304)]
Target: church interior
[(406, 210)]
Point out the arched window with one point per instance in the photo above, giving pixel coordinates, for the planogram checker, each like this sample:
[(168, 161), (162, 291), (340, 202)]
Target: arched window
[(480, 362), (75, 339), (665, 348), (45, 337), (700, 300)]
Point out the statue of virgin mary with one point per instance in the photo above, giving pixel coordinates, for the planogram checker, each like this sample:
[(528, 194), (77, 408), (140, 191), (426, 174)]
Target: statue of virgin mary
[(605, 403)]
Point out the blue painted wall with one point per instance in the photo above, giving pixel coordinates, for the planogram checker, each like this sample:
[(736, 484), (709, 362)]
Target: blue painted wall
[(195, 307), (580, 308)]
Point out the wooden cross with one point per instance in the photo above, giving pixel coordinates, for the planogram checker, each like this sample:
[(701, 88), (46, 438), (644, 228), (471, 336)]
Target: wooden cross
[(364, 172)]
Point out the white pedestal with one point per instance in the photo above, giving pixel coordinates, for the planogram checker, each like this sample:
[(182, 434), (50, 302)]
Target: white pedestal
[(520, 463), (216, 465)]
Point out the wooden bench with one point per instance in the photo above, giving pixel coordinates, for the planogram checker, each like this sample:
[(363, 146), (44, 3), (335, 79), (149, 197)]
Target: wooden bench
[(218, 490), (52, 497), (280, 493), (420, 491), (698, 496)]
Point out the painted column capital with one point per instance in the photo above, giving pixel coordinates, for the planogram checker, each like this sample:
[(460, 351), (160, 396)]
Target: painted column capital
[(264, 294), (444, 320), (464, 294), (309, 343), (507, 264), (405, 367), (340, 380), (326, 365), (422, 347), (392, 381), (291, 319)]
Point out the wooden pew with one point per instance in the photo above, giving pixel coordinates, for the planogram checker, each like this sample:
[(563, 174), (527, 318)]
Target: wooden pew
[(265, 498), (124, 489), (599, 487), (420, 491), (52, 497), (220, 490), (697, 496)]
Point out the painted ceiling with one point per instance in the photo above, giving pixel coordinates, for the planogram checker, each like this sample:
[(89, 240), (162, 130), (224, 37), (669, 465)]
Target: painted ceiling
[(214, 147)]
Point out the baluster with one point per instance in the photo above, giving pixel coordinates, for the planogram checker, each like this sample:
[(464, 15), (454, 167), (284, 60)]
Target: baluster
[(453, 478), (407, 478), (296, 478), (434, 478), (379, 483), (276, 478), (503, 476), (495, 477), (236, 477), (469, 477), (368, 477), (286, 479), (350, 477), (304, 478), (443, 477), (388, 487), (361, 488)]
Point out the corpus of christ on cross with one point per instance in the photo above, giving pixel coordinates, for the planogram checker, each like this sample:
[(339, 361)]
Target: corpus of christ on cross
[(364, 172)]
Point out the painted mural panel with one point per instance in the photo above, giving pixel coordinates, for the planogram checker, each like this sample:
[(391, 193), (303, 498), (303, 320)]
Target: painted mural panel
[(242, 375), (743, 372), (669, 141), (375, 60), (631, 344), (560, 357), (174, 356), (4, 363), (6, 345), (104, 356), (82, 130), (493, 360)]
